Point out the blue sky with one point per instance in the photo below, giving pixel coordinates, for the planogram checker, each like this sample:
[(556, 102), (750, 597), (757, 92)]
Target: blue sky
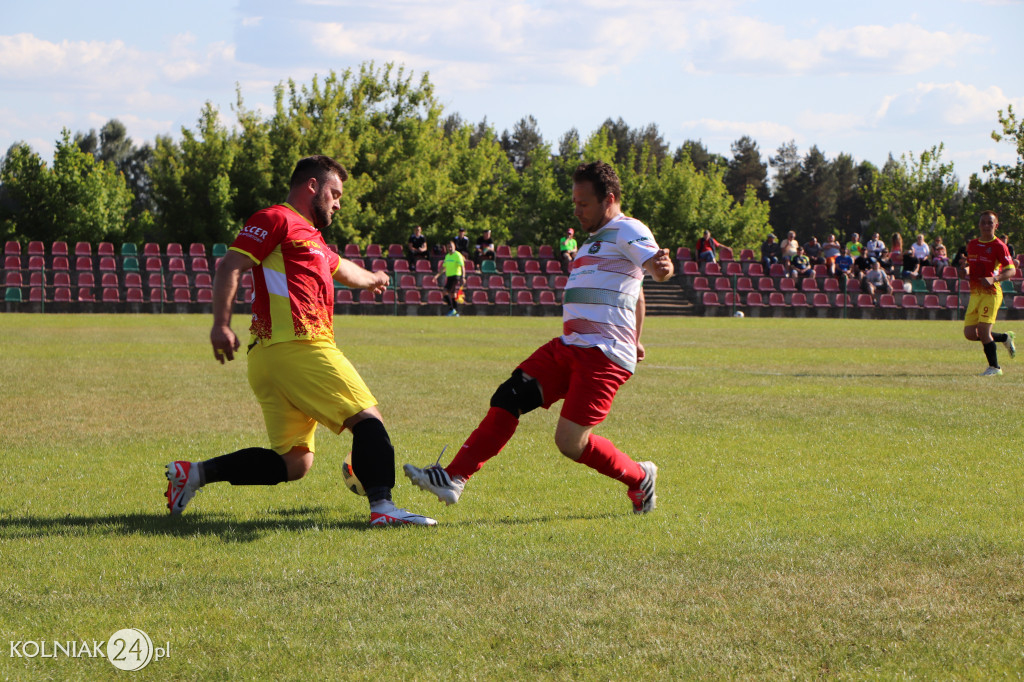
[(866, 78)]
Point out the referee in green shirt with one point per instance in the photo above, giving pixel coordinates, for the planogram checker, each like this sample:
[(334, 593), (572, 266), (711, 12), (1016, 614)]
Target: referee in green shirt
[(454, 267)]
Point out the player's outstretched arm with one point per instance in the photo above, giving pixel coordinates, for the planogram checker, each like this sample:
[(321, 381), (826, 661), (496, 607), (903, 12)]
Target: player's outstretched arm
[(355, 277), (659, 266)]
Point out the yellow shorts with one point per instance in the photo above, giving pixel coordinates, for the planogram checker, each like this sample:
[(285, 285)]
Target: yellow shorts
[(982, 308), (302, 383)]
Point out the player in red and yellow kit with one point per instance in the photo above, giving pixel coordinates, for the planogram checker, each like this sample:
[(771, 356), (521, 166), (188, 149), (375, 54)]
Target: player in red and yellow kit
[(988, 264), (295, 369)]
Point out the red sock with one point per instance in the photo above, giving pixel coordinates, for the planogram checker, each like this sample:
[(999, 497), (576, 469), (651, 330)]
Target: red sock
[(485, 442), (605, 458)]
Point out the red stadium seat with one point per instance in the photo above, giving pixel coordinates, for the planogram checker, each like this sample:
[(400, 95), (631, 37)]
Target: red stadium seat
[(545, 251), (197, 250), (174, 250), (134, 295), (182, 295), (111, 295), (374, 251), (701, 284), (353, 251), (36, 248), (105, 249), (109, 279), (524, 251), (524, 298)]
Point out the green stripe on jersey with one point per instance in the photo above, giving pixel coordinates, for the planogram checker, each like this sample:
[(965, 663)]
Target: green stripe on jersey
[(599, 297), (611, 235)]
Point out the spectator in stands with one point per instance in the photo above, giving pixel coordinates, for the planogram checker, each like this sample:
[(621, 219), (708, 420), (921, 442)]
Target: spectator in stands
[(567, 247), (707, 248), (885, 260), (462, 243), (939, 257), (862, 263), (1013, 254), (896, 243), (844, 266), (771, 252), (417, 246), (960, 259), (876, 281), (853, 247), (454, 269), (800, 265), (812, 249), (875, 247), (789, 246), (484, 247), (922, 252), (829, 252), (911, 265)]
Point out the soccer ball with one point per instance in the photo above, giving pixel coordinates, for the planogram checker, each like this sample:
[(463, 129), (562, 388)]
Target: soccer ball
[(908, 287), (738, 313), (351, 482)]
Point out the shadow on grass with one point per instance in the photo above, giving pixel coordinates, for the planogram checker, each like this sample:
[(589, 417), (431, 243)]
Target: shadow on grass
[(226, 526)]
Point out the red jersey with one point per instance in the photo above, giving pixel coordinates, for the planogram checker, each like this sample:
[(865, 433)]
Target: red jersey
[(986, 259), (293, 288)]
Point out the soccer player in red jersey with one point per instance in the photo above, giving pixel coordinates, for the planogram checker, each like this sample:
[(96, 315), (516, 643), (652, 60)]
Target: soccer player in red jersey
[(295, 369), (988, 264)]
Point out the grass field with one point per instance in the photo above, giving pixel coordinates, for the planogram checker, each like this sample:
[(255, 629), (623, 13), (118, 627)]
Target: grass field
[(837, 499)]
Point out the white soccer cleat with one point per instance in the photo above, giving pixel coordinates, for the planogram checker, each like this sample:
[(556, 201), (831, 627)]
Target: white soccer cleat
[(643, 498), (182, 485), (395, 516), (434, 479), (992, 372), (1011, 348)]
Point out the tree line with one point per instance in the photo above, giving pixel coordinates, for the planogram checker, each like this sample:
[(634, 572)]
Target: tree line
[(410, 165)]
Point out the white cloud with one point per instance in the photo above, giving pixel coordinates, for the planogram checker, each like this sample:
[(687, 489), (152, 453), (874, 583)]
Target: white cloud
[(945, 104), (28, 62), (751, 46)]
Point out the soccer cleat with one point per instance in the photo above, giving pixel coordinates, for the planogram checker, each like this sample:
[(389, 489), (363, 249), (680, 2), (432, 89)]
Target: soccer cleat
[(643, 498), (182, 485), (1011, 348), (451, 313), (992, 372), (434, 479), (394, 516)]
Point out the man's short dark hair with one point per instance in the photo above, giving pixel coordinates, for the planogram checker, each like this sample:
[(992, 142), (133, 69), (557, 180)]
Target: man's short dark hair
[(319, 167), (602, 176)]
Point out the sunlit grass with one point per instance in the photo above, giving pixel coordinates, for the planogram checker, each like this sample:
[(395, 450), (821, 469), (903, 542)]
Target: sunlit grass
[(836, 498)]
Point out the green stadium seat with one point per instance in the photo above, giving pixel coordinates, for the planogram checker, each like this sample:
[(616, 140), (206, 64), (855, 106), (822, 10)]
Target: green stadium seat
[(488, 267), (128, 249), (219, 250), (131, 264), (12, 295)]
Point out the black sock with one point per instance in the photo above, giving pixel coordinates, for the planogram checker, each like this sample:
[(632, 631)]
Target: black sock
[(990, 353), (999, 337), (373, 459), (249, 466)]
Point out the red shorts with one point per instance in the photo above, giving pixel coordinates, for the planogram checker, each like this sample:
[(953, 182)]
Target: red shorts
[(584, 377)]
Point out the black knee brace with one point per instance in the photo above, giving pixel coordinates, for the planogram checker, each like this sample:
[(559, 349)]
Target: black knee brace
[(518, 395)]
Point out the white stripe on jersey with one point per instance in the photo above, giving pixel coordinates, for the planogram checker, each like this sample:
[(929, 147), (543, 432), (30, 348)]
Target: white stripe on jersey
[(604, 285), (277, 282)]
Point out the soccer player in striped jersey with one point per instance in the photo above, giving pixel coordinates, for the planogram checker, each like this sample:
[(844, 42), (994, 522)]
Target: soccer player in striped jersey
[(988, 264), (295, 369), (603, 314)]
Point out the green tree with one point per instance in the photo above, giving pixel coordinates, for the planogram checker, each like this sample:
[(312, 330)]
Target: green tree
[(916, 194), (26, 188), (92, 200), (192, 185), (746, 170), (1002, 189)]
